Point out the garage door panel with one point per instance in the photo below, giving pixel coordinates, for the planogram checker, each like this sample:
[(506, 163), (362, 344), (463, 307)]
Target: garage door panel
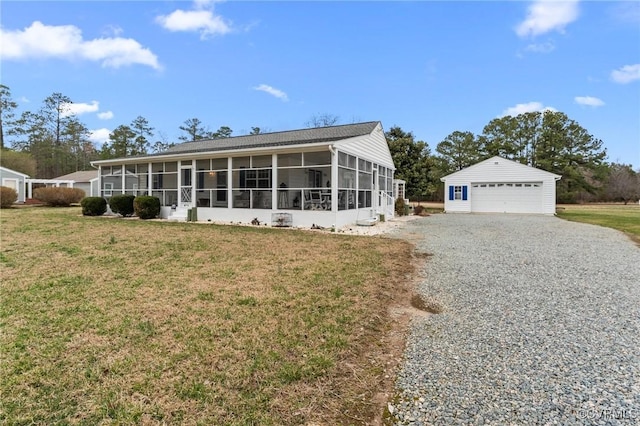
[(506, 198)]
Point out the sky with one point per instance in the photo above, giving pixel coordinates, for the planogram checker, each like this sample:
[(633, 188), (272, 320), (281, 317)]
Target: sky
[(430, 67)]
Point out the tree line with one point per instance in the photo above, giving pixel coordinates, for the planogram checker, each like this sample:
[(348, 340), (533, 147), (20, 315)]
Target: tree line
[(52, 141), (546, 140)]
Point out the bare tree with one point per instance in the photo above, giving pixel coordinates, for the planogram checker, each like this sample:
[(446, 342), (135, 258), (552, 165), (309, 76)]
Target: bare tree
[(322, 120), (623, 184)]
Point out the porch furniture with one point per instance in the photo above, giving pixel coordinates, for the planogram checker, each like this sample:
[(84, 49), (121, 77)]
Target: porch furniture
[(313, 200)]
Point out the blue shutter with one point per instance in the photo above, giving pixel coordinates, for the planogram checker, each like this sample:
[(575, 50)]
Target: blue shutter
[(450, 193), (464, 193)]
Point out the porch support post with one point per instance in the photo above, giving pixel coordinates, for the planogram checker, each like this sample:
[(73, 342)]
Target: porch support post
[(334, 180), (30, 189), (123, 178), (229, 182), (150, 181), (99, 183), (179, 183), (274, 181)]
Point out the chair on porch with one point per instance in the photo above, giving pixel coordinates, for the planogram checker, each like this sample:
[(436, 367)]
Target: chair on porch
[(313, 200)]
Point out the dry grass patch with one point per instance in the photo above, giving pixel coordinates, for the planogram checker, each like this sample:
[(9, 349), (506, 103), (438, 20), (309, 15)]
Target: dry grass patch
[(151, 322)]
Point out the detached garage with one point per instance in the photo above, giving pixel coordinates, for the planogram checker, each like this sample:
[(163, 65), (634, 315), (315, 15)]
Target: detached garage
[(498, 185)]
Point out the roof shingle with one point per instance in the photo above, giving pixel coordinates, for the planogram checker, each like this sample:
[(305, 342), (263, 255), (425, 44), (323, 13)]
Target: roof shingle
[(291, 137)]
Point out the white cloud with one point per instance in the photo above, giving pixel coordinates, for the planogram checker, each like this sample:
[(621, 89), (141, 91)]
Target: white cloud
[(80, 108), (528, 107), (99, 136), (203, 21), (627, 12), (107, 115), (547, 47), (66, 42), (112, 30), (544, 16), (202, 4), (24, 100), (626, 74), (272, 91), (588, 101)]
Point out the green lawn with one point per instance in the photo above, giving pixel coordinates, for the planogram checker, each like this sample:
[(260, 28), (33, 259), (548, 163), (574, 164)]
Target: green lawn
[(122, 321), (617, 216)]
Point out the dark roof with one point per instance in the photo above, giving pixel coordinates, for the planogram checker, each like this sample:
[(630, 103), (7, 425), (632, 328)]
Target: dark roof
[(291, 137)]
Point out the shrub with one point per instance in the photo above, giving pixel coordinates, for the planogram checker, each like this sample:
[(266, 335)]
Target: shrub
[(418, 210), (93, 206), (146, 206), (122, 204), (399, 207), (59, 197), (8, 196)]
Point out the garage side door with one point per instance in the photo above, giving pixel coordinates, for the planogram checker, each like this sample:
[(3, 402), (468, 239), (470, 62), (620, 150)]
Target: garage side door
[(506, 197)]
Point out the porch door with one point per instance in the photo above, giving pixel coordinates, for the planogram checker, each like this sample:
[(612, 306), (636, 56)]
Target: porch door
[(186, 186)]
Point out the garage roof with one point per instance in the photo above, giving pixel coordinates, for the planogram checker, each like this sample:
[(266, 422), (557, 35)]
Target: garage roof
[(502, 163)]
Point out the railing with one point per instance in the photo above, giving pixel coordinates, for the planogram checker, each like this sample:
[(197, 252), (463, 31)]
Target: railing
[(387, 203)]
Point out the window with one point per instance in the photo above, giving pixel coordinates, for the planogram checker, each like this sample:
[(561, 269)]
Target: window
[(458, 192)]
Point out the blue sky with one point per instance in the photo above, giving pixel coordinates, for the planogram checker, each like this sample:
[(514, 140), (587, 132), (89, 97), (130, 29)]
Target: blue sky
[(429, 67)]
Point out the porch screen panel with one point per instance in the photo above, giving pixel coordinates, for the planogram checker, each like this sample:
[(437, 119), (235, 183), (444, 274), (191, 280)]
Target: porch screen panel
[(111, 181), (346, 181), (365, 183), (251, 182), (164, 178), (137, 179), (211, 182)]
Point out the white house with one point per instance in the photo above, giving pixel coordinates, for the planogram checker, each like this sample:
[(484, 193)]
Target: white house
[(497, 185), (15, 180), (328, 176)]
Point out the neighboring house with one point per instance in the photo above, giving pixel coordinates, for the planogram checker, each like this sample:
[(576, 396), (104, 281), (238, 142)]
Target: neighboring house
[(86, 180), (329, 176), (14, 180), (498, 185)]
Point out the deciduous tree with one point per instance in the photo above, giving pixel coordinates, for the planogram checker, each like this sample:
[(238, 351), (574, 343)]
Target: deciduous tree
[(623, 183), (322, 120)]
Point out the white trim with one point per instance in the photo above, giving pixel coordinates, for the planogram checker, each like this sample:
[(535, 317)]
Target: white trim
[(14, 172), (198, 155)]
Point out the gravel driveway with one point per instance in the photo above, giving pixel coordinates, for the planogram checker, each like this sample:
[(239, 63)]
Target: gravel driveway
[(541, 324)]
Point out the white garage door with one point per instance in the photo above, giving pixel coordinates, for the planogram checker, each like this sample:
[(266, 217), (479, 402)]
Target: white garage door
[(506, 197)]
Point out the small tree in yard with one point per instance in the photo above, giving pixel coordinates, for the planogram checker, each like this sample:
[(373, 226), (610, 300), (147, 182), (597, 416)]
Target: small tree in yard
[(8, 196), (59, 196), (122, 204), (400, 207)]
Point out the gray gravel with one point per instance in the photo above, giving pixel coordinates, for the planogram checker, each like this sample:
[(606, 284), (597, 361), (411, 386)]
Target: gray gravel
[(541, 324)]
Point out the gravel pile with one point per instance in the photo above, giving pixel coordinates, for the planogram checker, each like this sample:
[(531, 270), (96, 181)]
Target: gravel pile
[(541, 325)]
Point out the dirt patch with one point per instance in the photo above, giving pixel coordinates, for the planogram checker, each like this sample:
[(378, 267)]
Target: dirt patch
[(400, 312)]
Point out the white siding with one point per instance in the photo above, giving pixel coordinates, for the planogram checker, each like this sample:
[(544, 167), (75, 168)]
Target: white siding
[(372, 147), (500, 170)]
